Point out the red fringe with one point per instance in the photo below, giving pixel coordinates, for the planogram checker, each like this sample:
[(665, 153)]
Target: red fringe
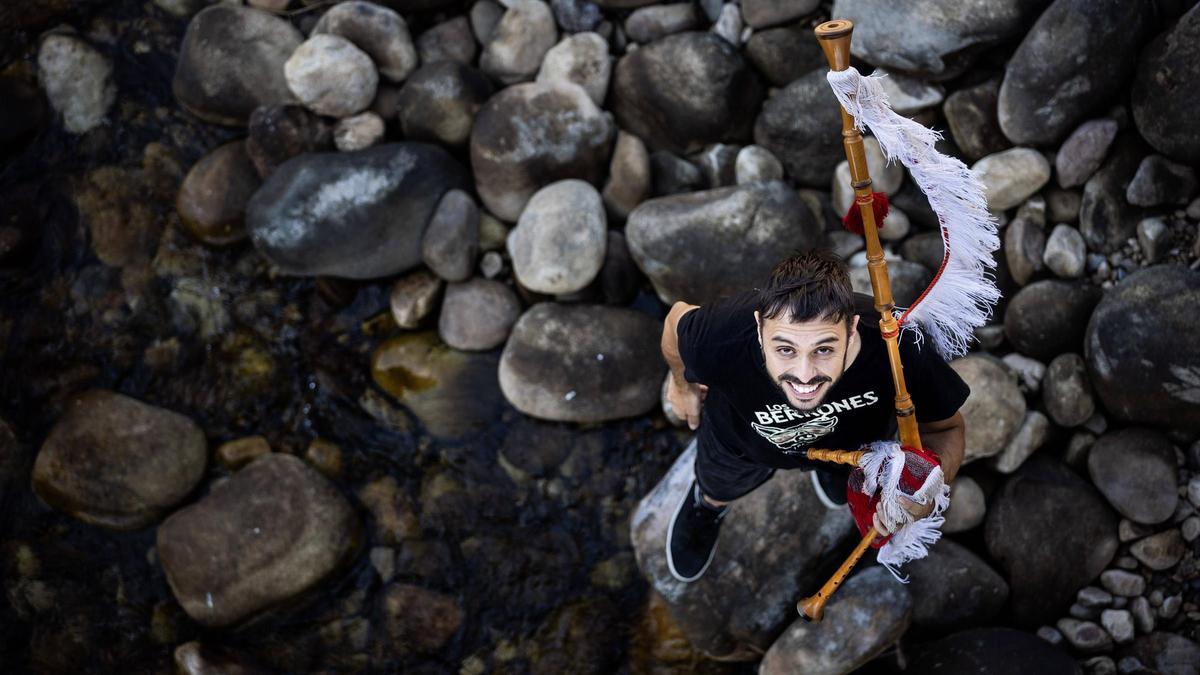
[(853, 219)]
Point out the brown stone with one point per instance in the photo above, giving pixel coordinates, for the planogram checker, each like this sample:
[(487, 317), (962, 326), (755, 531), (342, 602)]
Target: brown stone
[(212, 199), (239, 452)]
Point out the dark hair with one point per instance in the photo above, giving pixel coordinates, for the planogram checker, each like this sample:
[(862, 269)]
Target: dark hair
[(808, 285)]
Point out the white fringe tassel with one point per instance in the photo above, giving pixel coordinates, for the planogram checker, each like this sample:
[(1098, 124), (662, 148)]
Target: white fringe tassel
[(962, 295)]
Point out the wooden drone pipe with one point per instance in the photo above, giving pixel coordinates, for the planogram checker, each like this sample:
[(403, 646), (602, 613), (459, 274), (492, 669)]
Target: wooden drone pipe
[(850, 457)]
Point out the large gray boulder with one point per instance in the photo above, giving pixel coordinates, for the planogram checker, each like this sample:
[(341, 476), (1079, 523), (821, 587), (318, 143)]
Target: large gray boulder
[(700, 246), (775, 547), (274, 530), (117, 462), (801, 125), (582, 363), (1166, 90), (1142, 350), (953, 588), (359, 215), (1049, 317), (997, 651)]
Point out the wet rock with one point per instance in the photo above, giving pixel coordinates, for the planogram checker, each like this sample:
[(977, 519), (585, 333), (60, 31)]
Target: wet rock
[(800, 125), (908, 280), (274, 530), (241, 451), (1166, 87), (212, 200), (331, 76), (582, 59), (515, 49), (453, 393), (971, 114), (1011, 176), (756, 163), (278, 133), (868, 614), (448, 41), (1048, 318), (231, 62), (1135, 469), (358, 215), (418, 620), (378, 31), (1083, 152), (358, 132), (558, 244), (967, 506), (784, 54), (953, 588), (1106, 219), (1029, 437), (1073, 59), (117, 462), (439, 102), (931, 38), (676, 239), (718, 105), (1166, 653), (1045, 563), (413, 298), (581, 363), (534, 134), (1160, 181), (1002, 650), (1160, 551), (576, 16), (774, 547), (628, 177), (1065, 252), (451, 242), (1141, 352), (1085, 636), (1067, 394), (77, 80), (994, 410), (477, 314)]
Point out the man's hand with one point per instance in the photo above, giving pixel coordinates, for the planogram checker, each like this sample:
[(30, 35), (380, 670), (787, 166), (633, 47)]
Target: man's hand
[(686, 399), (917, 511)]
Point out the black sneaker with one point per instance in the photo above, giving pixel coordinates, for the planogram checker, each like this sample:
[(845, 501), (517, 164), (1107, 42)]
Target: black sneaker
[(830, 488), (692, 535)]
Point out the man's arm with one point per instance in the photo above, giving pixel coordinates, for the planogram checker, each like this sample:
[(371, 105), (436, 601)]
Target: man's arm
[(948, 439), (685, 397)]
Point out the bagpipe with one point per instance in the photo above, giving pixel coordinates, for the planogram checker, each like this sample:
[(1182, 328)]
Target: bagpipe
[(958, 300)]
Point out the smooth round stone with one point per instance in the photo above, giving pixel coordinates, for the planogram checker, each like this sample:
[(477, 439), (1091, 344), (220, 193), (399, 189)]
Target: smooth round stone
[(629, 179), (439, 102), (239, 452), (785, 53), (358, 132), (924, 248), (1166, 90), (1062, 206), (971, 115), (516, 47), (582, 363), (994, 410), (77, 80), (755, 163), (278, 133), (1084, 636), (1142, 352), (1083, 152), (1160, 181), (558, 244), (1160, 551), (477, 314), (1048, 318), (1135, 469), (117, 462), (448, 41), (576, 16), (801, 126), (998, 650), (968, 506), (485, 16), (414, 297), (1065, 253), (572, 140), (1030, 436), (765, 13), (378, 31), (331, 76), (1024, 247), (451, 241), (1122, 583), (648, 24), (582, 59), (1011, 176), (231, 61), (1067, 393), (212, 199), (952, 587)]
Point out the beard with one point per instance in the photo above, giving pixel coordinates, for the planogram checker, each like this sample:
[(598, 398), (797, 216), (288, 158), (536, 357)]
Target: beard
[(782, 384)]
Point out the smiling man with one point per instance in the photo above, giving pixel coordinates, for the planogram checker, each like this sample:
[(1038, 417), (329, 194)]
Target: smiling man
[(768, 374)]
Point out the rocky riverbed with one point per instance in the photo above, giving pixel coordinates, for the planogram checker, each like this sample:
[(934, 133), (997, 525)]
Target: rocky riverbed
[(329, 333)]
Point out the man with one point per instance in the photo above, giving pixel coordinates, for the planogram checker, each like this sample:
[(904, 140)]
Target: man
[(795, 365)]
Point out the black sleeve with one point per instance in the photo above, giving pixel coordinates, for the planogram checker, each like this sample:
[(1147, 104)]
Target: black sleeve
[(705, 332), (937, 390)]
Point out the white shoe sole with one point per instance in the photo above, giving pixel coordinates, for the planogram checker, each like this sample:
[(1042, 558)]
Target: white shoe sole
[(671, 531), (829, 503)]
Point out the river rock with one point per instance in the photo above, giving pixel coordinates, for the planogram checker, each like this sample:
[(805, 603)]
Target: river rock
[(801, 125), (583, 59), (1166, 90), (1065, 252), (1002, 651), (774, 549), (533, 134), (971, 115), (783, 54), (1046, 562), (582, 363), (648, 24), (1075, 57), (485, 16), (358, 132), (576, 16), (558, 244), (478, 314), (450, 40), (453, 393), (1085, 636), (718, 105), (117, 462), (1049, 317), (274, 530), (1166, 653), (908, 280), (358, 215), (931, 38), (1029, 437), (756, 163), (1160, 181), (516, 47), (78, 81), (994, 410), (413, 298), (729, 23), (1106, 219), (1142, 354), (1160, 551), (1012, 176), (231, 61), (1024, 247), (869, 613), (1067, 393), (968, 506), (378, 31), (439, 102), (278, 133), (629, 179), (678, 240), (909, 95), (953, 588), (212, 199), (331, 76), (451, 242), (1135, 469), (765, 13), (1084, 151), (194, 658), (1122, 583)]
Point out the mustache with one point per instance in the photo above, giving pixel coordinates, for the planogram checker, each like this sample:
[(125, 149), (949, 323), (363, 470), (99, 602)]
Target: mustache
[(816, 380)]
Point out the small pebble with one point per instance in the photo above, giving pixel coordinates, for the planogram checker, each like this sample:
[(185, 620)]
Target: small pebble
[(1090, 596), (1156, 597), (1050, 634), (1143, 615), (1127, 562), (1118, 623), (1170, 606), (1191, 528), (1100, 665)]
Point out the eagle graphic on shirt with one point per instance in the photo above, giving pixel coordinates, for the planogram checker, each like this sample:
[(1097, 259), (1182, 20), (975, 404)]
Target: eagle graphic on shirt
[(803, 434)]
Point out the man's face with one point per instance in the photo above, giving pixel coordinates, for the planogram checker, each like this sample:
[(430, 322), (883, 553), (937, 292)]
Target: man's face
[(805, 359)]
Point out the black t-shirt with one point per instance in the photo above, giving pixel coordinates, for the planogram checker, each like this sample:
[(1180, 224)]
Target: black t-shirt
[(747, 415)]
